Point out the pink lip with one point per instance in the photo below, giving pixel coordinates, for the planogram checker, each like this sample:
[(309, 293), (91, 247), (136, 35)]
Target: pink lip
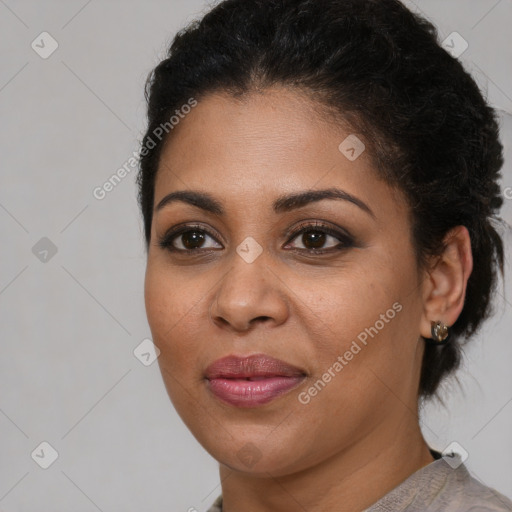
[(251, 381)]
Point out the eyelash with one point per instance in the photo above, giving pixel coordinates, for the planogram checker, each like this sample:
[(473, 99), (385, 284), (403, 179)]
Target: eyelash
[(346, 240)]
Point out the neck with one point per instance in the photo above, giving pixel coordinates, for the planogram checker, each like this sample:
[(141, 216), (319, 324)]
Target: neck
[(355, 477)]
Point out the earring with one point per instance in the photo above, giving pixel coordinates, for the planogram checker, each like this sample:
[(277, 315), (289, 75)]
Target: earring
[(439, 332)]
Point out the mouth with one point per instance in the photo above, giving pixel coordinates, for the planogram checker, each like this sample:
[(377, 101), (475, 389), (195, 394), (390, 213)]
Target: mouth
[(251, 381)]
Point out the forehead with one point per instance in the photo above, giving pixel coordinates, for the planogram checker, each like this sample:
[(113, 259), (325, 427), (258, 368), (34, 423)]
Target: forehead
[(262, 145)]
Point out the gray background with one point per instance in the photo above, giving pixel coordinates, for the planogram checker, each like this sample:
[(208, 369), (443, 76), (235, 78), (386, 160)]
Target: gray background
[(69, 325)]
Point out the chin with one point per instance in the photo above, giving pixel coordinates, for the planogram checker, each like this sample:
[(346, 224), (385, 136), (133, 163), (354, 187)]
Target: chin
[(254, 451)]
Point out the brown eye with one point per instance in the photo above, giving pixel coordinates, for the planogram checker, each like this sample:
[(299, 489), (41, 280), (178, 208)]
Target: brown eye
[(314, 238), (188, 239), (192, 239)]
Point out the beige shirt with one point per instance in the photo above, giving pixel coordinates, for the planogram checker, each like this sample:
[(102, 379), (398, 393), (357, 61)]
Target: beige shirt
[(440, 486)]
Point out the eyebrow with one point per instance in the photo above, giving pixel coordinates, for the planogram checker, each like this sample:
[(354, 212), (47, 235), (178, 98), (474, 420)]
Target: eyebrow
[(283, 204)]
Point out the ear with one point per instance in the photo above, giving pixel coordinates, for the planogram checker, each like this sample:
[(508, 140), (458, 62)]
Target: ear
[(444, 288)]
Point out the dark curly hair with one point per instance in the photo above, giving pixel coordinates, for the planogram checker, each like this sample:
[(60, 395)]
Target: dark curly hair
[(378, 67)]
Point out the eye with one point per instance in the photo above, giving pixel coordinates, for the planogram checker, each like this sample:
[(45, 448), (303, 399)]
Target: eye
[(319, 238), (315, 238), (188, 239)]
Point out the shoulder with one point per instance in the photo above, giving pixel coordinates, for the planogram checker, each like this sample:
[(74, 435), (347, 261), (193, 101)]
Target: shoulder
[(438, 487), (443, 486), (477, 497)]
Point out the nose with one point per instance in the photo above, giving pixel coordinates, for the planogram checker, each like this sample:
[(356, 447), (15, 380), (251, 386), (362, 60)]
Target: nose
[(249, 294)]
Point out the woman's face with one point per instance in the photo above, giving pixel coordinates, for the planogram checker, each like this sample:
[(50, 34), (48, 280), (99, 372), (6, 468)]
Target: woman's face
[(249, 278)]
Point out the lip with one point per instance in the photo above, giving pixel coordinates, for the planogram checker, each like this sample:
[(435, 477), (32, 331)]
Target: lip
[(252, 380)]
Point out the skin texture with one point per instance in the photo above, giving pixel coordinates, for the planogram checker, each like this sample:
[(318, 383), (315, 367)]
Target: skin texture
[(359, 436)]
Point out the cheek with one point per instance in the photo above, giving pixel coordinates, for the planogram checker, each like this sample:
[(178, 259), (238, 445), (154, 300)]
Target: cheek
[(173, 306), (159, 300), (173, 309), (341, 306), (367, 318)]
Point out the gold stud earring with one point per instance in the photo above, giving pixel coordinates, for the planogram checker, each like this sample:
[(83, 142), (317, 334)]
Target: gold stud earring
[(439, 332)]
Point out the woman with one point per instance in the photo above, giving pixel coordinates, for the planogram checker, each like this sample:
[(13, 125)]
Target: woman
[(318, 184)]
